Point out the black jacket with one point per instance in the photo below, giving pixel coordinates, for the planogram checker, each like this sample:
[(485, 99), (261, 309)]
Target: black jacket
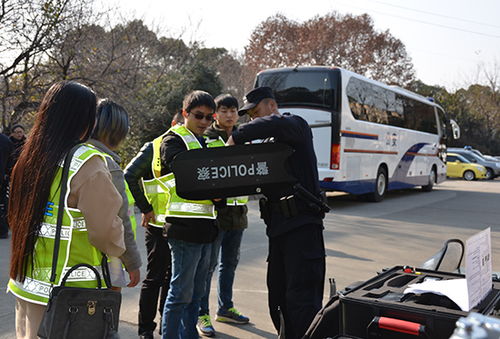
[(16, 151), (6, 148), (196, 230), (295, 132), (228, 217), (140, 168)]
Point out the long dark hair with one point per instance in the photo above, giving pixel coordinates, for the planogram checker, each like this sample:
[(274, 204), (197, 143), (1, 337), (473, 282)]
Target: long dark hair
[(65, 118)]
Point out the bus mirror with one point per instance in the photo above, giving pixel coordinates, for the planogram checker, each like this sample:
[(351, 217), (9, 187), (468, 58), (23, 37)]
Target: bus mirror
[(455, 129)]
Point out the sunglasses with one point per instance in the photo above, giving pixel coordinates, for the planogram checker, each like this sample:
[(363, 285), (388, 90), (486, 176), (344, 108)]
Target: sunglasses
[(200, 116)]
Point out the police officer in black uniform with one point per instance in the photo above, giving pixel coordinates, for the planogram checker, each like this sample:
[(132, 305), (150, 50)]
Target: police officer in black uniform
[(293, 215)]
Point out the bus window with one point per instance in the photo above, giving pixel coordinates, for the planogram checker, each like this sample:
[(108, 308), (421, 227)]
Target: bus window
[(426, 121), (444, 128), (372, 103), (300, 88)]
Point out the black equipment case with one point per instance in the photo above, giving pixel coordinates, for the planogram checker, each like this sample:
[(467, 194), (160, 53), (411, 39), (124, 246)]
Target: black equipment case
[(378, 308)]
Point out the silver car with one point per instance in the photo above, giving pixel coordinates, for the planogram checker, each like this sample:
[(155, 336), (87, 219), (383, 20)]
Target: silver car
[(492, 166)]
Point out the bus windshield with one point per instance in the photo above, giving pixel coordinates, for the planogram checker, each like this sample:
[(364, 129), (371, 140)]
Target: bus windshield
[(311, 88)]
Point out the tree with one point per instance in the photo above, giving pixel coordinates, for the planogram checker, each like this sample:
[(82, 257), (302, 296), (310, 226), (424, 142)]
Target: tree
[(229, 69), (28, 29), (346, 41), (475, 108)]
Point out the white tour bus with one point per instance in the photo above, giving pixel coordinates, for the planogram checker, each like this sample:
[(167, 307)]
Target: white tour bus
[(368, 137)]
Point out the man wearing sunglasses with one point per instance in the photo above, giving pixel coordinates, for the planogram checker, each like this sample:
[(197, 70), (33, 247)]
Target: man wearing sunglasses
[(190, 225), (296, 261), (232, 220)]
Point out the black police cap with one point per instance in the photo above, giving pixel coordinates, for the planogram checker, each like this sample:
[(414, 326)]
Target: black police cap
[(252, 98)]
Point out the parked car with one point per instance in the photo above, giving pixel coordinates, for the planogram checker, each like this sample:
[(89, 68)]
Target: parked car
[(478, 152), (458, 166), (492, 167)]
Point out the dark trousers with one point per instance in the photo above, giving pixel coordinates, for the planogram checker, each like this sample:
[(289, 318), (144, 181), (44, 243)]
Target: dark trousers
[(157, 279), (295, 278)]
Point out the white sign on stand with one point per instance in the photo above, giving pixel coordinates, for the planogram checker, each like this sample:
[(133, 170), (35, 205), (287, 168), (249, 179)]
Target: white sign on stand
[(478, 266)]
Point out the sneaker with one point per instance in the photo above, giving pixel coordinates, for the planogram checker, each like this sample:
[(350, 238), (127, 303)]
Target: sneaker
[(204, 326), (231, 316)]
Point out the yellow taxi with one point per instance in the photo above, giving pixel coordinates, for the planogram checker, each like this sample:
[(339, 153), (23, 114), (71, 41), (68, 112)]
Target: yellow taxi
[(459, 167)]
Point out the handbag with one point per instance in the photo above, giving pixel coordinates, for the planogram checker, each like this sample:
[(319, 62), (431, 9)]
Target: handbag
[(78, 312)]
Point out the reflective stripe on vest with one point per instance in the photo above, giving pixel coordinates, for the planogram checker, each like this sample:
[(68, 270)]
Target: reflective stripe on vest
[(74, 247), (176, 206), (237, 201)]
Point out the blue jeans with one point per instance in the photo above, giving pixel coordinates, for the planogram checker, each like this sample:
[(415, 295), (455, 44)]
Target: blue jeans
[(187, 286), (228, 244)]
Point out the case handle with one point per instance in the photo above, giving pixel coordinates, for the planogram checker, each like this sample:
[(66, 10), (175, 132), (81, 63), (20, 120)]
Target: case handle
[(397, 325)]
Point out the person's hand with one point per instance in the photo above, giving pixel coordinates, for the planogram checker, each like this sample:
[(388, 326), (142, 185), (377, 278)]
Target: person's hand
[(135, 277), (147, 217), (230, 141)]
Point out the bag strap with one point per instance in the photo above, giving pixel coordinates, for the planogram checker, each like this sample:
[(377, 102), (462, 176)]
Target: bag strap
[(96, 272), (60, 210)]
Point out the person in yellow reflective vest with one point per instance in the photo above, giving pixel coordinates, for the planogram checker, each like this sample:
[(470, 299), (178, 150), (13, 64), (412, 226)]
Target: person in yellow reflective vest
[(190, 225), (232, 221), (111, 128), (90, 223), (148, 195)]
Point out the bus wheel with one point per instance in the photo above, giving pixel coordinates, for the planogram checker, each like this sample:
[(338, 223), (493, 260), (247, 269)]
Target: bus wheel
[(380, 186), (469, 175), (432, 180)]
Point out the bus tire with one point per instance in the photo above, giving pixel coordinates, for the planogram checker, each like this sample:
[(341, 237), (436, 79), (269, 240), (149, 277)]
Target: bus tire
[(380, 186), (431, 182), (469, 176)]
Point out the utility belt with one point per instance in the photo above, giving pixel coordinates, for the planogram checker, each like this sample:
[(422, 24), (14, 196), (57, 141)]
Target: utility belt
[(286, 206), (302, 201)]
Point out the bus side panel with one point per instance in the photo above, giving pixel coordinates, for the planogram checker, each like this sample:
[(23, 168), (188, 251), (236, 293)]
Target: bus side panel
[(407, 154)]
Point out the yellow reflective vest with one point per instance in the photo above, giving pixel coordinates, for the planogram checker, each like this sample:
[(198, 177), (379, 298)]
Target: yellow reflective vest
[(74, 247), (131, 211), (161, 190)]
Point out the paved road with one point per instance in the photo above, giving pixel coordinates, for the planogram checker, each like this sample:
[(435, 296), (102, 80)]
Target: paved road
[(361, 238)]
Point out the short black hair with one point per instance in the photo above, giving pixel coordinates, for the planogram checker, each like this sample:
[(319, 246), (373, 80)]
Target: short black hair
[(196, 99), (226, 100)]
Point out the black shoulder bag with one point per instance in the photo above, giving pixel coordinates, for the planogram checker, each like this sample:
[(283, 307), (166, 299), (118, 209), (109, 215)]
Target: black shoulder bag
[(76, 312)]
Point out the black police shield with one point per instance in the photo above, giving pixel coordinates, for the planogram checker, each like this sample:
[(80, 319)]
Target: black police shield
[(232, 171)]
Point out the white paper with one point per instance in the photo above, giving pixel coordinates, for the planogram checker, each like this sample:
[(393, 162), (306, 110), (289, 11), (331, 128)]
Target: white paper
[(455, 289), (478, 266)]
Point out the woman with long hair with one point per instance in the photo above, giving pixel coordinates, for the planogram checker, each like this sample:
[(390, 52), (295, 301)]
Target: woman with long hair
[(90, 223), (110, 130)]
